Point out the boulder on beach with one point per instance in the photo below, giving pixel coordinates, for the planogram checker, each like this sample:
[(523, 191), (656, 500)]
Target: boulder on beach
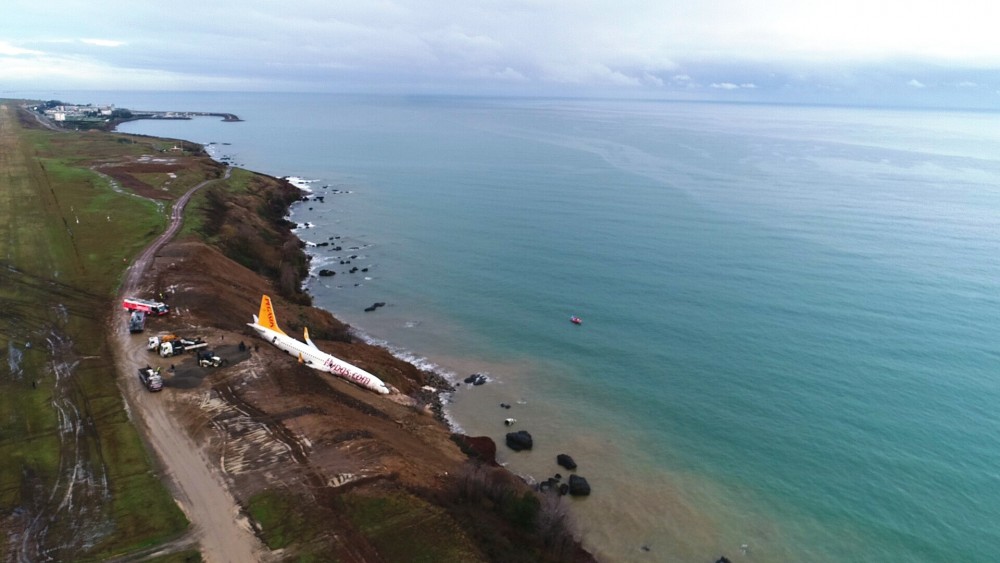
[(475, 379), (578, 486), (565, 461), (550, 484), (482, 448), (519, 440)]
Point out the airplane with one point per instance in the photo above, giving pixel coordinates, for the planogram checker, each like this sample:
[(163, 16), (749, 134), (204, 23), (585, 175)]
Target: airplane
[(266, 326)]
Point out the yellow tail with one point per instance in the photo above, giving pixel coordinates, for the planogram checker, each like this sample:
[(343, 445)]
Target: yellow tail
[(266, 317)]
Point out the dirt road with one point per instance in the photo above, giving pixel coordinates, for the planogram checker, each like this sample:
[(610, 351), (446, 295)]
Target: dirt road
[(197, 484)]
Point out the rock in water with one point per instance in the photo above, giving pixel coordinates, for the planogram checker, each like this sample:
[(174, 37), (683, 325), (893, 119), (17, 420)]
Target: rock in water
[(475, 379), (519, 440), (565, 461), (578, 486)]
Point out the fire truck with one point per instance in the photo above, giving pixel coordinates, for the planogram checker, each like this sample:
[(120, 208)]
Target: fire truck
[(146, 306)]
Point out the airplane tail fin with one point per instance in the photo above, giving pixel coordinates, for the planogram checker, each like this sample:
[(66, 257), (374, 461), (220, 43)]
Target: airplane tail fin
[(266, 317)]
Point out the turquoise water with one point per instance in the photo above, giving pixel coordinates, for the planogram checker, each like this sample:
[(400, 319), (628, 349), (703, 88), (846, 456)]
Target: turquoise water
[(788, 311)]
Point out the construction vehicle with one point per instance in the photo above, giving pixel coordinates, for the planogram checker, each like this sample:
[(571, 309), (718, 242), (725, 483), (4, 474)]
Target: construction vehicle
[(146, 306), (210, 360), (136, 322), (181, 345), (155, 341), (150, 377)]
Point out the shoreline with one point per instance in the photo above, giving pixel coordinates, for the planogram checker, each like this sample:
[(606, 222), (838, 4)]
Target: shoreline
[(445, 400), (452, 420), (448, 381)]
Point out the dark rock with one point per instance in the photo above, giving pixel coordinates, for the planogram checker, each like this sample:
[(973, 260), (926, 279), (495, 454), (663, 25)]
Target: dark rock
[(475, 379), (563, 489), (369, 309), (519, 440), (565, 461), (327, 273), (550, 484), (578, 486), (477, 447)]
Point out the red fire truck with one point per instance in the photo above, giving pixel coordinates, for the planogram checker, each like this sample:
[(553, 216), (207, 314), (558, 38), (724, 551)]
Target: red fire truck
[(146, 306)]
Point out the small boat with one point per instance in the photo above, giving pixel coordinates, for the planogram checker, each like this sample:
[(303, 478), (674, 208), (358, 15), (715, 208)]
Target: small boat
[(576, 320)]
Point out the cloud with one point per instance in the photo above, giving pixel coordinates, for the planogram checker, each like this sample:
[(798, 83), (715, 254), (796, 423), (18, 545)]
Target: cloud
[(652, 79), (8, 50), (103, 42), (778, 48), (506, 75)]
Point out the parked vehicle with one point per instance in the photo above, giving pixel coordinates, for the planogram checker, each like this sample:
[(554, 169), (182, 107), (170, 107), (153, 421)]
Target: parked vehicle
[(154, 341), (181, 345), (136, 322), (210, 360), (150, 377), (146, 306)]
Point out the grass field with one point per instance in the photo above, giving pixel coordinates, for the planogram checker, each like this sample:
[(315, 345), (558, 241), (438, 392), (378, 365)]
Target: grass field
[(75, 480), (406, 528)]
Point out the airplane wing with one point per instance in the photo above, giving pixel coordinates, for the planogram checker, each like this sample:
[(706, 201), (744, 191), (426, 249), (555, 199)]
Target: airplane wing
[(308, 340)]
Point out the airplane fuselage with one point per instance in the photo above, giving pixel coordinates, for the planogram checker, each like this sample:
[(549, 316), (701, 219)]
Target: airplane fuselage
[(317, 359)]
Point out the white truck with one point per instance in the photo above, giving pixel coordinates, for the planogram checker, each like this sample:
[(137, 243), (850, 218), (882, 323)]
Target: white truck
[(150, 377), (154, 342), (169, 345), (181, 345)]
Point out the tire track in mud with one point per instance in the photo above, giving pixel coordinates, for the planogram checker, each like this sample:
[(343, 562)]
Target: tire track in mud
[(75, 513), (23, 292)]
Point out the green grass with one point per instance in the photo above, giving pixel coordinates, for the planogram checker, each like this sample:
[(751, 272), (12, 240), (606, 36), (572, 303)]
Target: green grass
[(198, 207), (189, 556), (62, 259), (281, 519), (406, 528)]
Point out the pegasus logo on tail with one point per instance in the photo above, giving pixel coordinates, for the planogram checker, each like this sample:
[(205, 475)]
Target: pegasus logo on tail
[(266, 317)]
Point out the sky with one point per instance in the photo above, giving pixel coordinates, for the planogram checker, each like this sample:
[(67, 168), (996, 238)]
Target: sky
[(882, 52)]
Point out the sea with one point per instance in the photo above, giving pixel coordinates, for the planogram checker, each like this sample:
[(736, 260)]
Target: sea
[(788, 348)]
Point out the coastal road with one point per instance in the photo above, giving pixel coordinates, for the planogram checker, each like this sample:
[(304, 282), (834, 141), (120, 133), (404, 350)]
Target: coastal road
[(198, 486)]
